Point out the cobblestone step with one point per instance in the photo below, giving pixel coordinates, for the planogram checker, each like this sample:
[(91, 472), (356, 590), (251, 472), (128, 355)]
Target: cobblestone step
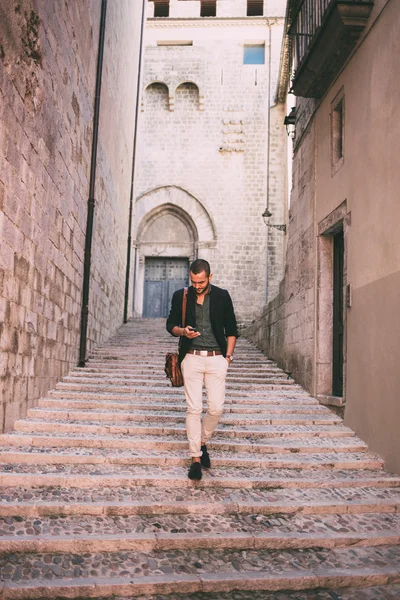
[(126, 420), (280, 446), (266, 431), (130, 405), (320, 417), (135, 573), (141, 385), (348, 460), (159, 376), (82, 476), (52, 500), (121, 373), (144, 534), (388, 592), (174, 394)]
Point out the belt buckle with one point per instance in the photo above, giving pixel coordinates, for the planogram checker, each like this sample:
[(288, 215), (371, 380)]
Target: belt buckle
[(203, 353)]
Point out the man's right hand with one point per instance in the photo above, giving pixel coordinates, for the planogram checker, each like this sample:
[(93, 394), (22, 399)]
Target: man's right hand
[(190, 333)]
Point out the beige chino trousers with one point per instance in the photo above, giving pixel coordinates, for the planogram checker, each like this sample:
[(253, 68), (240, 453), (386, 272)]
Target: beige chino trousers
[(196, 370)]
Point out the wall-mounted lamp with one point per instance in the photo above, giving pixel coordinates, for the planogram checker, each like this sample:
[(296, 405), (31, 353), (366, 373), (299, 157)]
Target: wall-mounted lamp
[(266, 216), (290, 123)]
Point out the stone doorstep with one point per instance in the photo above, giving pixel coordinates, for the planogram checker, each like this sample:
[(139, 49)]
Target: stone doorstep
[(129, 406), (146, 542), (207, 582), (40, 508), (180, 481), (27, 458), (32, 427), (290, 447)]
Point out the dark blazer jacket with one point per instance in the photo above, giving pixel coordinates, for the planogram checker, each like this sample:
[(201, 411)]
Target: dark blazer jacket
[(222, 316)]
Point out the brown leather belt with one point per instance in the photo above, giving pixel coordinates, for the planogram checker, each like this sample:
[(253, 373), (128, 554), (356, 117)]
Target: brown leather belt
[(205, 352)]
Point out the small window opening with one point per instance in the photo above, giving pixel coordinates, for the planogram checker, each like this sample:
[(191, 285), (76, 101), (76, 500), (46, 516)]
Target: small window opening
[(255, 8), (161, 8), (208, 8), (254, 54), (337, 135)]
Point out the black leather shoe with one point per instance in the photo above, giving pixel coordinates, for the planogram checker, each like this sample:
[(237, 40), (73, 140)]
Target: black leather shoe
[(195, 471), (205, 458)]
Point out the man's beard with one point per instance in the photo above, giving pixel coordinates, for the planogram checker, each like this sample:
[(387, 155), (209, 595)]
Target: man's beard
[(204, 289)]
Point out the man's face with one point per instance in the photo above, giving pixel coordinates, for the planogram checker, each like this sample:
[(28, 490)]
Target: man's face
[(200, 282)]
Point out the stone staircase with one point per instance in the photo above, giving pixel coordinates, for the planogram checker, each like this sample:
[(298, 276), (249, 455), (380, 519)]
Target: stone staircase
[(96, 503)]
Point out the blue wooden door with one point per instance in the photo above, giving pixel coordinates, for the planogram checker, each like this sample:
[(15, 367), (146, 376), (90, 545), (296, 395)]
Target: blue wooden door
[(163, 276)]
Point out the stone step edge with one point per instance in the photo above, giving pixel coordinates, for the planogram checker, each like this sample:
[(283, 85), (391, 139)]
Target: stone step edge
[(140, 444), (161, 385), (35, 427), (105, 442), (128, 426), (27, 458), (161, 481), (128, 406), (99, 415), (207, 582), (174, 396), (113, 509), (160, 541)]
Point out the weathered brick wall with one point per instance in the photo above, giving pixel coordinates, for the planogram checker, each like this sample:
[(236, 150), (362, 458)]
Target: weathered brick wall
[(214, 144), (285, 330), (48, 57)]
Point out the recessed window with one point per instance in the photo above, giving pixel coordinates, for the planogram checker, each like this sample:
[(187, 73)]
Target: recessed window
[(254, 54), (255, 8), (161, 8), (208, 8), (337, 133)]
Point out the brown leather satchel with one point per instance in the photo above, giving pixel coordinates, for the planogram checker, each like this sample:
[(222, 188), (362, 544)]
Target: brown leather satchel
[(172, 366)]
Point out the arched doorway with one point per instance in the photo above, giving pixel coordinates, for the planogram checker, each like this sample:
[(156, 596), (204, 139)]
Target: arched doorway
[(172, 228)]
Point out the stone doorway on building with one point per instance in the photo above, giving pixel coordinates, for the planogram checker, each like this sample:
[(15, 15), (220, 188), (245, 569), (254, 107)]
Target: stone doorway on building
[(163, 276), (338, 309), (171, 229), (331, 310)]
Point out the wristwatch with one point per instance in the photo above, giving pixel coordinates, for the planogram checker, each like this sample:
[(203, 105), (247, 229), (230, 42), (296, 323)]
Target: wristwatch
[(229, 356)]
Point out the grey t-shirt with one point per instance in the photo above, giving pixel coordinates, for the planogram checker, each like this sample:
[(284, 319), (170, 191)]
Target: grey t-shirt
[(206, 340)]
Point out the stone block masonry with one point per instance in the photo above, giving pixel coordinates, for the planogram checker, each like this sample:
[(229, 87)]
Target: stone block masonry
[(205, 121), (48, 54)]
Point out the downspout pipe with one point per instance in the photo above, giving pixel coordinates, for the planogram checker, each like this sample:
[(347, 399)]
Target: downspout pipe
[(91, 199), (268, 153), (138, 92)]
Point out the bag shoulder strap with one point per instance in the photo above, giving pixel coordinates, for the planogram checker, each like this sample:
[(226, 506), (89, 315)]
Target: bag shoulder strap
[(184, 304)]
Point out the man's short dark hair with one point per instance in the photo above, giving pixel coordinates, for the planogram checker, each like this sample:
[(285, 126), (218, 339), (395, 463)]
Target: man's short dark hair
[(199, 265)]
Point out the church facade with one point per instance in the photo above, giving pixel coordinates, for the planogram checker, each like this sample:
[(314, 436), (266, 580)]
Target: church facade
[(211, 152)]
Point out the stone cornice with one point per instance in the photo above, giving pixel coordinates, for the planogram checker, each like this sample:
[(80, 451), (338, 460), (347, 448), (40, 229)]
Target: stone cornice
[(203, 22)]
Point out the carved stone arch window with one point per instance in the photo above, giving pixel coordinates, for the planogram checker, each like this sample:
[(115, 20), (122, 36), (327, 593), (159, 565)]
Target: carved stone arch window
[(156, 97), (188, 98)]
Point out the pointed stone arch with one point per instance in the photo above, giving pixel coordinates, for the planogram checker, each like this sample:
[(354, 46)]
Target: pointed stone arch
[(169, 222)]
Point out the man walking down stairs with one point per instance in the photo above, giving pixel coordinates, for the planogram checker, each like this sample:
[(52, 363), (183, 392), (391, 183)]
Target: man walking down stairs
[(96, 503)]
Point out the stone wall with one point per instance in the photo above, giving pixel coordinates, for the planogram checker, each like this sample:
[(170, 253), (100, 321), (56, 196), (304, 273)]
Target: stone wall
[(285, 329), (48, 58)]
